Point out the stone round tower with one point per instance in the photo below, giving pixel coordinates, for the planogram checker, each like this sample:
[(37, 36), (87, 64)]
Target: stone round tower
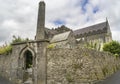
[(40, 33)]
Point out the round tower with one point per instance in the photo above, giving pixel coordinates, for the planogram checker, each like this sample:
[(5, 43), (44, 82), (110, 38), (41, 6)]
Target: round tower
[(40, 33)]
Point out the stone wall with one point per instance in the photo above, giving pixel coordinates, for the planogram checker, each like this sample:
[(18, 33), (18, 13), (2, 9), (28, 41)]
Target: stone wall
[(67, 66), (5, 66), (13, 66), (9, 64), (9, 67), (79, 66)]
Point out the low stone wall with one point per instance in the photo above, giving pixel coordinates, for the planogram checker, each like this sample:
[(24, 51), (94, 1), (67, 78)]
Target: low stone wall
[(79, 66), (67, 66), (8, 67), (5, 65)]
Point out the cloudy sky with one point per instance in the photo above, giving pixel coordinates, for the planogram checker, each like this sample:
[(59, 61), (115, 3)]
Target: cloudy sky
[(19, 17)]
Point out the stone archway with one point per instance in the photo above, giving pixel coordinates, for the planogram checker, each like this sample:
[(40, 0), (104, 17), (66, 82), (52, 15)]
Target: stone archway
[(27, 62)]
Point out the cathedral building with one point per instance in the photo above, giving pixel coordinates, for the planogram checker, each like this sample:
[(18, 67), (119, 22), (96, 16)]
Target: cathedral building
[(95, 35)]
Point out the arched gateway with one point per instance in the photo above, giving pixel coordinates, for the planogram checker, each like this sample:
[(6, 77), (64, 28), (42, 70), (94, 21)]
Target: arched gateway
[(32, 62), (31, 55), (27, 63)]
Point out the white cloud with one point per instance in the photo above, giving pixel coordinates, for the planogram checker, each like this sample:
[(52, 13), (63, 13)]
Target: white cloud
[(116, 35), (19, 17), (10, 24)]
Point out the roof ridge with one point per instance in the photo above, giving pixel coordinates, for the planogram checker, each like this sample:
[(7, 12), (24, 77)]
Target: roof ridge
[(90, 26), (63, 32)]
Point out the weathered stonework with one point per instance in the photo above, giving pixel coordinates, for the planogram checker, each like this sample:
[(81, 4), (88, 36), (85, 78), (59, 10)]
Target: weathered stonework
[(31, 62), (13, 66), (40, 33), (59, 66), (79, 66)]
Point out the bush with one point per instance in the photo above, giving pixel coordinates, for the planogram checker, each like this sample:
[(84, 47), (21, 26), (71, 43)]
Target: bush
[(5, 49), (8, 48), (112, 47), (18, 39), (51, 46)]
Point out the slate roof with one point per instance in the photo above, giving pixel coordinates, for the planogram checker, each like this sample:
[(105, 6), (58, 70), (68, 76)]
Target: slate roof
[(88, 29), (60, 37)]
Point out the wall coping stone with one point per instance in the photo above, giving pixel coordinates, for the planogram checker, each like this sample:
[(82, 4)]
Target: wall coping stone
[(34, 41)]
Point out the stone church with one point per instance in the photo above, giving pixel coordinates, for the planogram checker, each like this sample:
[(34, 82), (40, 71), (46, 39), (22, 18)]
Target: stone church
[(95, 34), (65, 37), (29, 59)]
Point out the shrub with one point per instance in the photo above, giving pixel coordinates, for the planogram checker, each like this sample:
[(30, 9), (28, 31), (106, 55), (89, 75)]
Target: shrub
[(6, 49), (51, 46), (18, 39), (112, 47)]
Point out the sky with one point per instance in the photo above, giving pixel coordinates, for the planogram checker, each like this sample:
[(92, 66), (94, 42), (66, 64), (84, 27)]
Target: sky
[(19, 17)]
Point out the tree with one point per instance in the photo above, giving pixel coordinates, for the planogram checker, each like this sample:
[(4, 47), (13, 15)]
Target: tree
[(112, 47), (18, 39)]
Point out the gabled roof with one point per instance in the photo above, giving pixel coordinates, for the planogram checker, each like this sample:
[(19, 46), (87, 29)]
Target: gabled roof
[(60, 37), (88, 29)]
